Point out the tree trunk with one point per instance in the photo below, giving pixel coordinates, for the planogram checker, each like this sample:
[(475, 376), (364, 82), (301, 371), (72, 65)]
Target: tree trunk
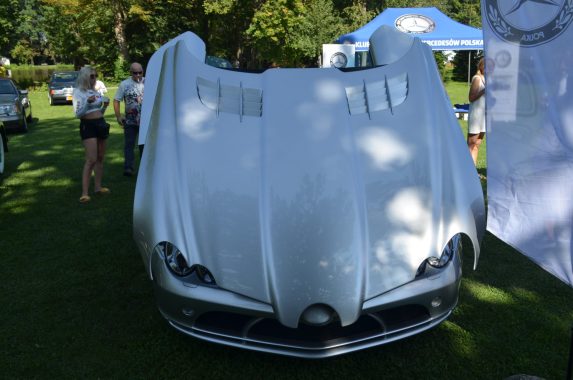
[(119, 31)]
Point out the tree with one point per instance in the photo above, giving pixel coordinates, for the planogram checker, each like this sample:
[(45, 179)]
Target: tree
[(23, 52), (291, 33), (29, 28), (355, 16), (462, 67), (8, 24), (467, 12), (108, 33), (268, 31), (320, 24), (227, 37), (443, 5), (62, 33)]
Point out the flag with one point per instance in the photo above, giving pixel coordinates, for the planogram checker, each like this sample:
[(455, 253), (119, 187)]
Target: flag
[(529, 116)]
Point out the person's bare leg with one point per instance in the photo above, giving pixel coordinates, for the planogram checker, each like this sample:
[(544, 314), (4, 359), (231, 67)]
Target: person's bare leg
[(474, 142), (90, 146), (99, 164)]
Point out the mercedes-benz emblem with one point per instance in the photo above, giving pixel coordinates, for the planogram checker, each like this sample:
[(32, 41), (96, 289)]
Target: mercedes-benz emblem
[(529, 23), (338, 60)]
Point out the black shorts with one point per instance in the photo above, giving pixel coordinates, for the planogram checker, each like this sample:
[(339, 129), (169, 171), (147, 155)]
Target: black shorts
[(94, 128)]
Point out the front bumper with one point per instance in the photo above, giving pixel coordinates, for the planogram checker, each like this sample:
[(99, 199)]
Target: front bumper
[(12, 121), (220, 316), (61, 95)]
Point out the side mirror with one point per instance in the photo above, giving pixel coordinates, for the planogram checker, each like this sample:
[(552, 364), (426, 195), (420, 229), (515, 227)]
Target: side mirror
[(24, 92)]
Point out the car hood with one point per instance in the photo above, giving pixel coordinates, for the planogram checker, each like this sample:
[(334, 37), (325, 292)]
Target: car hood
[(299, 187)]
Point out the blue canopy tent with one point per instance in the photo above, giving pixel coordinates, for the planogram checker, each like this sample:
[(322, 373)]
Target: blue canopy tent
[(432, 26), (429, 24)]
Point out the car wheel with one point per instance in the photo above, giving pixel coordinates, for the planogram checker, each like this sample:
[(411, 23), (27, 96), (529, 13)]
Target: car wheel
[(24, 124), (1, 153), (29, 118)]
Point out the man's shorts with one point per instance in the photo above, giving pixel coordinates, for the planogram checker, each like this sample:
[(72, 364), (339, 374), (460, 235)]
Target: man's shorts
[(94, 128)]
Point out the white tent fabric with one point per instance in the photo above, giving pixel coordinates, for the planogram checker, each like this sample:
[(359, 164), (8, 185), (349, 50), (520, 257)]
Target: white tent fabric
[(529, 75)]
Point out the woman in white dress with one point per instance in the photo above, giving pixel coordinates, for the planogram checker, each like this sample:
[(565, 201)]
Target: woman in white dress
[(476, 122)]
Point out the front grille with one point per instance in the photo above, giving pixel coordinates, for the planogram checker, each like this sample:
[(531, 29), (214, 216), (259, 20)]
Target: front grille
[(269, 332)]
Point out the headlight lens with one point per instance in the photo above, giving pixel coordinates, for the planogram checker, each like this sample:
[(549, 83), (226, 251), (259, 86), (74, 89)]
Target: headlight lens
[(174, 258), (453, 246), (177, 263), (204, 275), (8, 109)]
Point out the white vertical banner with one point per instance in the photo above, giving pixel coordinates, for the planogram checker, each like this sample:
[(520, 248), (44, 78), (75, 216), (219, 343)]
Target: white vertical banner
[(529, 97)]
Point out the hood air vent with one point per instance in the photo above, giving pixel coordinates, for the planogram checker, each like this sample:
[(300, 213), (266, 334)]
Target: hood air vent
[(377, 96), (239, 100)]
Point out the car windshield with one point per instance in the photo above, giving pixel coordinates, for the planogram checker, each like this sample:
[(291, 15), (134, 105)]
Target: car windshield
[(6, 87), (218, 62), (64, 77)]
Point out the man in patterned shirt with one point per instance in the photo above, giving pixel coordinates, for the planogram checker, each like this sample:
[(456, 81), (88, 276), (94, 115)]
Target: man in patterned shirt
[(131, 92)]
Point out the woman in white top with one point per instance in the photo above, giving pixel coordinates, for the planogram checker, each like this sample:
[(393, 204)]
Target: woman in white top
[(476, 122), (89, 107)]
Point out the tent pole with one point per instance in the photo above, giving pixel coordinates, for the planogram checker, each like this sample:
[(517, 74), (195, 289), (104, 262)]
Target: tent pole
[(469, 65)]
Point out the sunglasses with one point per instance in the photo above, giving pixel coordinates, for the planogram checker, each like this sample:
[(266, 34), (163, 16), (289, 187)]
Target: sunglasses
[(93, 76), (137, 72)]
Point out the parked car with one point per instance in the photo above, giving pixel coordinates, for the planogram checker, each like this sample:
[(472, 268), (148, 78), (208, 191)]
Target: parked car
[(61, 87), (3, 147), (15, 106), (304, 212), (218, 62)]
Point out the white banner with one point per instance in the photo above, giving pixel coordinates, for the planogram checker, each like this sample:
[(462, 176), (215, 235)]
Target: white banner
[(338, 55), (529, 76)]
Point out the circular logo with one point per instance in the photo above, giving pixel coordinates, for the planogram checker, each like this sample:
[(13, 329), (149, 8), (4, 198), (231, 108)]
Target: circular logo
[(338, 60), (417, 24), (503, 58), (529, 22)]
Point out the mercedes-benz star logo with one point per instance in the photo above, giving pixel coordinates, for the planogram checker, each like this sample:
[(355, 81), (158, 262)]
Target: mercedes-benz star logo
[(529, 23), (338, 60)]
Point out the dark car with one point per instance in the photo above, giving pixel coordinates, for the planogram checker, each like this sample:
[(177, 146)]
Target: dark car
[(3, 147), (222, 63), (15, 107), (61, 86)]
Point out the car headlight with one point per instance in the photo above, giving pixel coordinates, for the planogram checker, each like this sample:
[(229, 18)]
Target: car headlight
[(174, 258), (449, 251), (8, 109), (177, 263), (204, 275)]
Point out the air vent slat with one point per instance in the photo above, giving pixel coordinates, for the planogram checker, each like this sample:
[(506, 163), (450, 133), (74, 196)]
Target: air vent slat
[(377, 96), (230, 99)]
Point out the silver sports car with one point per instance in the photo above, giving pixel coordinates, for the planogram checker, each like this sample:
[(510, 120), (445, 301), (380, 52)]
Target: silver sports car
[(304, 212)]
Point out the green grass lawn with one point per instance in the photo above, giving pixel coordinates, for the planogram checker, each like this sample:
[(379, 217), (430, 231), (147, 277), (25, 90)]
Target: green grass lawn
[(77, 304)]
